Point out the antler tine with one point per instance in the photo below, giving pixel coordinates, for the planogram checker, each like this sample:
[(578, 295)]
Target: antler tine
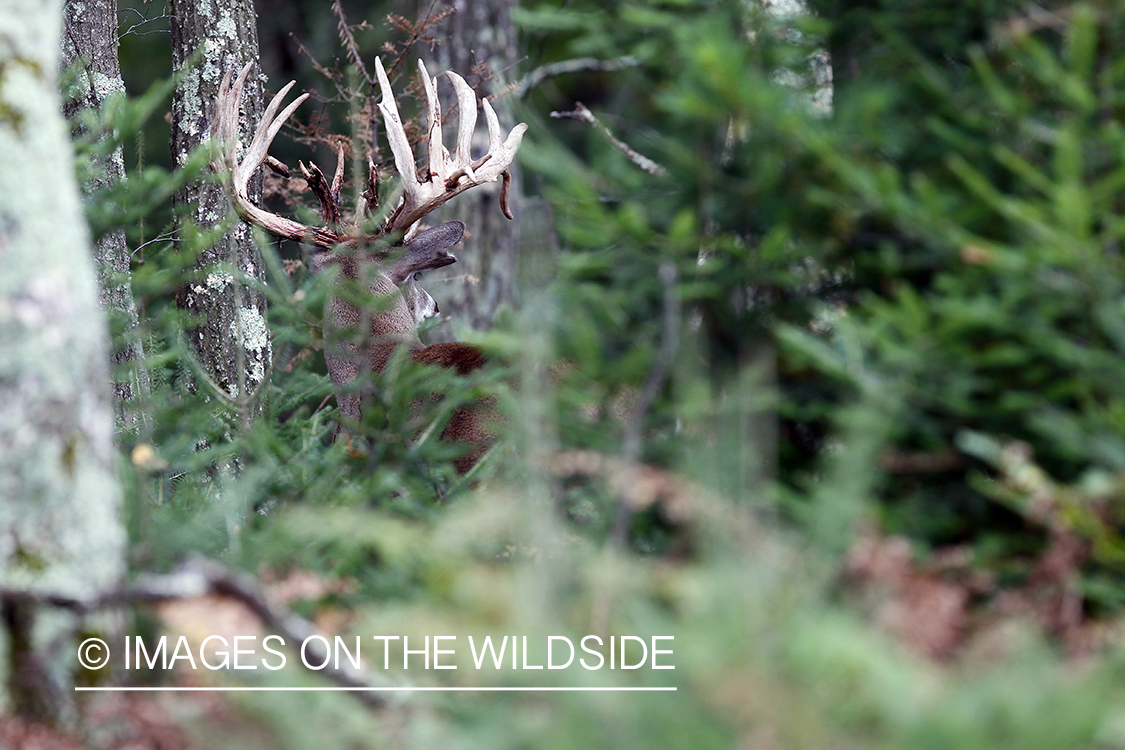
[(225, 124), (494, 144), (267, 130), (500, 154), (435, 148), (447, 177), (230, 124), (400, 147), (217, 119), (467, 111), (224, 133), (338, 177)]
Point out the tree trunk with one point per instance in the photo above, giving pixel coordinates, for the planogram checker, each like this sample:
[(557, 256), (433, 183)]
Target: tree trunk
[(60, 526), (479, 38), (232, 341), (817, 81), (90, 37)]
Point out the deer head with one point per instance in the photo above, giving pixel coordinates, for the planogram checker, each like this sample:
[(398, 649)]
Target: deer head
[(370, 258), (398, 305)]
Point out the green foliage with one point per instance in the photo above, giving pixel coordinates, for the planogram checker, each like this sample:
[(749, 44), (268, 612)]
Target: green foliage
[(908, 314), (1012, 328), (125, 203)]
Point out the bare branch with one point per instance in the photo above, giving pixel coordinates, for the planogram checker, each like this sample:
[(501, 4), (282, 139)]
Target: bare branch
[(199, 577), (348, 41), (585, 115), (581, 64)]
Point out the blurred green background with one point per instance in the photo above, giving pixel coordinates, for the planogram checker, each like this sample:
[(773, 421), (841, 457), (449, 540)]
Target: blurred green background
[(856, 379)]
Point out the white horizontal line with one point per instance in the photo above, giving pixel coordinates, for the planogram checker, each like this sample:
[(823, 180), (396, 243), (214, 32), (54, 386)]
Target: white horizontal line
[(244, 689)]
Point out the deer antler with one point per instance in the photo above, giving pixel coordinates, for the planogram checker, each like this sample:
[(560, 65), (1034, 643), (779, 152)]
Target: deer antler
[(224, 159), (448, 175)]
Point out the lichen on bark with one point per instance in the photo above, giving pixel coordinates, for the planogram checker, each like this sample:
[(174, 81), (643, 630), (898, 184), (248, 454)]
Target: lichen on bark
[(233, 354), (90, 40), (60, 525)]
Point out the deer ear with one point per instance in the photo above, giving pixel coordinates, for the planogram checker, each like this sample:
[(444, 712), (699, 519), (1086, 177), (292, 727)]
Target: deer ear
[(439, 237)]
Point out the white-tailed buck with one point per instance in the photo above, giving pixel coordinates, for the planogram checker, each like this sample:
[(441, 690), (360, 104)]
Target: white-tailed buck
[(358, 337)]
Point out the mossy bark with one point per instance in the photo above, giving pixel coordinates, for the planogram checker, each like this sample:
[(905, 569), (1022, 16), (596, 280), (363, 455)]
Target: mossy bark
[(60, 525), (232, 341), (90, 40)]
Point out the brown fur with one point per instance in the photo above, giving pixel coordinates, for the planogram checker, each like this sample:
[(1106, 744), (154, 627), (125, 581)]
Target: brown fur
[(402, 305), (469, 424)]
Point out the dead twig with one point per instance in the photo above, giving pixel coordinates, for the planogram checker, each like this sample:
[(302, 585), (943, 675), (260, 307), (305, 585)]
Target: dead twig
[(583, 114), (577, 65)]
